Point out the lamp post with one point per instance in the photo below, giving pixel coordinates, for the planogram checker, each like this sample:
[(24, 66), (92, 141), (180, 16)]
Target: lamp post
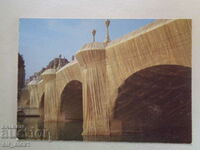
[(107, 23), (93, 35)]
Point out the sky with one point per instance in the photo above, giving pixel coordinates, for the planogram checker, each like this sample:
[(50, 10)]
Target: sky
[(42, 40)]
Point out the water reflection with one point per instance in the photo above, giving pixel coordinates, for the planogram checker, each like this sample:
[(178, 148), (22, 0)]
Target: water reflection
[(49, 130), (72, 131)]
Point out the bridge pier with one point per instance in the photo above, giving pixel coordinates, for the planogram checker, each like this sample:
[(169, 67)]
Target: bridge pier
[(50, 99), (34, 94), (95, 110)]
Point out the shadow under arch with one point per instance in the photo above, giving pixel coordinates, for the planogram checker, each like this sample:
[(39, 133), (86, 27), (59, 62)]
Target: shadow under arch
[(71, 107), (70, 125), (41, 107), (154, 104)]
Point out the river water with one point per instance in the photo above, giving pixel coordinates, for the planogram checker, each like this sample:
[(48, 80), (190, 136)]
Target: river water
[(33, 128)]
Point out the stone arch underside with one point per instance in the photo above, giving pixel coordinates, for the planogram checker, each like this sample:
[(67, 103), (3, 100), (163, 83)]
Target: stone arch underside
[(155, 103), (41, 106), (71, 101)]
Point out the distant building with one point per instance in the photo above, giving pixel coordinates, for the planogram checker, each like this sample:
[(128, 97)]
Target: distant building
[(55, 63)]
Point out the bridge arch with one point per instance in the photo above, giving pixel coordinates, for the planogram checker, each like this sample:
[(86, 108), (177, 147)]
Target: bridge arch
[(156, 102), (41, 106), (71, 107)]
